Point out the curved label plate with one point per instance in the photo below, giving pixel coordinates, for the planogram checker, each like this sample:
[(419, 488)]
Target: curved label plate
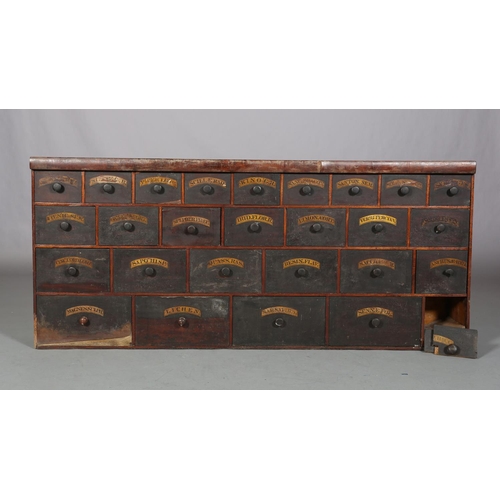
[(378, 218), (309, 181), (316, 218), (257, 180), (225, 261), (355, 182), (254, 218), (279, 310), (107, 179), (85, 309), (127, 217), (376, 262), (374, 310), (149, 261), (66, 261), (182, 310), (301, 262), (158, 180), (207, 180), (65, 216), (191, 219)]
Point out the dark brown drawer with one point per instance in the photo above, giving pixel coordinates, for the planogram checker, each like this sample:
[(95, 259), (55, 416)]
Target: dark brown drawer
[(315, 227), (355, 190), (149, 271), (72, 270), (435, 227), (191, 226), (58, 187), (103, 187), (442, 271), (226, 271), (182, 321), (371, 271), (306, 189), (377, 227), (207, 189), (65, 225), (375, 321), (128, 226), (259, 189), (404, 190), (301, 271), (450, 190), (160, 188), (83, 320)]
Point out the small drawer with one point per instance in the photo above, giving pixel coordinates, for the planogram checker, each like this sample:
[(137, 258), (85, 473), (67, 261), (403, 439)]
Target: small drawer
[(191, 226), (278, 321), (404, 190), (128, 226), (65, 225), (254, 227), (377, 227), (435, 227), (83, 320), (450, 190), (371, 271), (72, 270), (149, 271), (162, 187), (323, 227), (355, 190), (207, 189), (103, 187), (442, 272), (182, 321), (226, 271), (301, 271), (376, 321), (257, 189), (306, 189), (58, 187)]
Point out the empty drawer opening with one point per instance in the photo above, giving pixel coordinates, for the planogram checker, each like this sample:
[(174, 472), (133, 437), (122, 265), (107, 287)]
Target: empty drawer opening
[(448, 311)]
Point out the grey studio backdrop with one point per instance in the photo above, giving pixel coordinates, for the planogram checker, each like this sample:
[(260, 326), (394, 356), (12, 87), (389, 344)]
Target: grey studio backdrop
[(256, 134)]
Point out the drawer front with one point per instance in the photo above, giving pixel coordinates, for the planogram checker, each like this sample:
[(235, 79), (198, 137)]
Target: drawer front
[(226, 271), (151, 187), (191, 226), (450, 190), (375, 321), (58, 187), (355, 190), (257, 189), (442, 271), (254, 227), (278, 321), (72, 270), (84, 320), (439, 227), (315, 227), (408, 190), (207, 189), (301, 271), (105, 187), (149, 271), (65, 225), (182, 321), (377, 227), (370, 271), (128, 226), (306, 189)]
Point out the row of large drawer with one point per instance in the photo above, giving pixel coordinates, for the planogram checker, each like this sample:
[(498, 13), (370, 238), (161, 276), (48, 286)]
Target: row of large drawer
[(240, 271), (184, 226), (252, 189), (205, 321)]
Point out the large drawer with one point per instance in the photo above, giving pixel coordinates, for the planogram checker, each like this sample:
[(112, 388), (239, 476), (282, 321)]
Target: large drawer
[(436, 227)]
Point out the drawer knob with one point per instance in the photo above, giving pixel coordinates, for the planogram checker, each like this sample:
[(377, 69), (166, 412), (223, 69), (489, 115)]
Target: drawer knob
[(84, 321), (279, 322), (128, 226), (108, 188), (72, 271), (306, 191), (158, 189), (451, 349), (225, 272), (58, 187), (65, 226), (354, 190), (254, 227), (439, 228), (192, 230), (376, 323), (453, 191), (257, 190), (377, 272), (150, 271), (316, 228), (183, 322), (449, 272), (404, 190), (377, 228), (301, 272), (207, 189)]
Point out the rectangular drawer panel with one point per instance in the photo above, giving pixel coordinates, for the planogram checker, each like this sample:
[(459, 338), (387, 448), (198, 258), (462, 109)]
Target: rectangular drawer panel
[(191, 226), (58, 187), (106, 187), (378, 227), (156, 187), (207, 189), (410, 190), (442, 271), (257, 189), (435, 227), (450, 190), (355, 190), (306, 189)]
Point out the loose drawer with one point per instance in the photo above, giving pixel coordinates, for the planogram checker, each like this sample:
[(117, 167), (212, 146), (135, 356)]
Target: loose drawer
[(375, 321), (191, 226), (65, 225), (355, 190), (160, 188), (128, 226), (439, 227), (306, 189), (226, 271), (371, 271), (301, 271), (103, 187), (377, 227), (72, 270), (450, 190), (149, 271), (207, 189), (442, 272), (83, 320), (258, 189), (404, 190), (182, 321), (315, 227), (58, 187)]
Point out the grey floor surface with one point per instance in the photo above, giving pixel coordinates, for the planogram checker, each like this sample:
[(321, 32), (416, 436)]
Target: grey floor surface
[(23, 367)]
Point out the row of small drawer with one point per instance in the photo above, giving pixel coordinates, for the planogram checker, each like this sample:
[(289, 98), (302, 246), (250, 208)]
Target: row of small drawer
[(205, 321), (252, 189), (185, 226), (240, 271)]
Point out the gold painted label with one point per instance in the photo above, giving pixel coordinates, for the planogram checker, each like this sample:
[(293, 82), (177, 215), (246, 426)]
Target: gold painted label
[(301, 262), (452, 183), (374, 310), (58, 178), (442, 340), (254, 218), (355, 182), (404, 182), (305, 181), (158, 180), (316, 218), (182, 310), (148, 261), (279, 310), (441, 219), (225, 261), (378, 218), (191, 219), (65, 216), (448, 262), (65, 261), (376, 262), (257, 180), (125, 217), (85, 309), (108, 179), (207, 180)]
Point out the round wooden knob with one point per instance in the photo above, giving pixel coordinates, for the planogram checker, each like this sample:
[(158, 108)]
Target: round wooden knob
[(439, 228), (58, 187), (225, 272), (84, 321), (254, 227), (108, 188), (207, 189), (301, 272), (453, 191), (377, 272), (451, 349), (316, 228), (306, 191), (354, 190), (279, 322), (182, 321), (128, 226), (149, 271), (65, 226), (192, 230), (257, 190), (158, 189), (376, 323), (72, 271), (404, 190), (449, 272), (377, 228)]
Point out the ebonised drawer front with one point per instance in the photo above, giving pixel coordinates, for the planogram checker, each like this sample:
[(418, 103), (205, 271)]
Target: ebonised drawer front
[(442, 272), (301, 271), (207, 189), (106, 187), (149, 270), (278, 321), (375, 271), (158, 187), (376, 321), (317, 227), (404, 190), (58, 187), (436, 227), (235, 271), (56, 225), (129, 226), (377, 227), (191, 226), (306, 189), (354, 189), (83, 320), (450, 190), (72, 270), (262, 189), (182, 321)]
